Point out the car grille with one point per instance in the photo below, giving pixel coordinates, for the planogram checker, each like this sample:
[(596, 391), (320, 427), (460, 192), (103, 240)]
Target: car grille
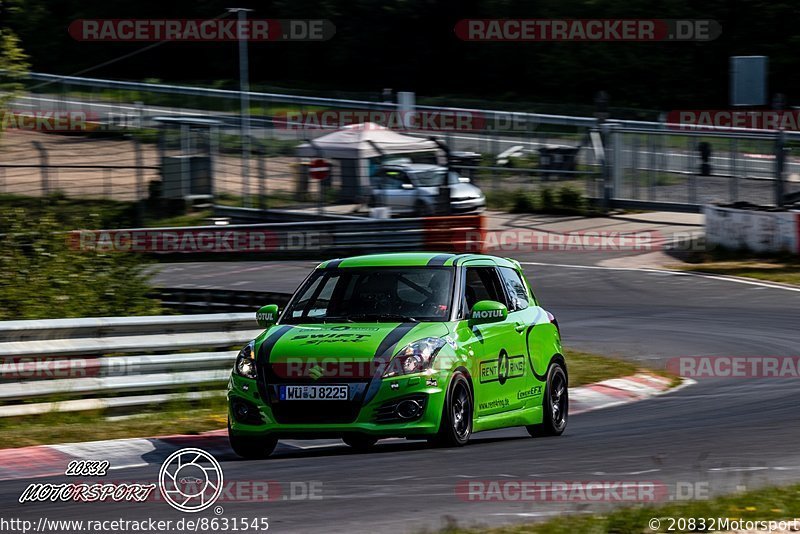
[(315, 412)]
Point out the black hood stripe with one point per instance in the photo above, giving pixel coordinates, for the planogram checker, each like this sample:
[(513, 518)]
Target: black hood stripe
[(333, 264), (383, 354), (439, 260), (391, 339), (264, 353), (268, 344)]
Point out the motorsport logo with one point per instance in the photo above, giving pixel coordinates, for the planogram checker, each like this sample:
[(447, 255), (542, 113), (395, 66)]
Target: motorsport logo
[(190, 480)]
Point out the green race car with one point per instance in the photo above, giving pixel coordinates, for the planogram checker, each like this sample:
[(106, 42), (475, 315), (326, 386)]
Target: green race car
[(417, 345)]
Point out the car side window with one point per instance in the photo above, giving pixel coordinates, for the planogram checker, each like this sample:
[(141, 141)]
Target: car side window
[(515, 288), (395, 180), (481, 283)]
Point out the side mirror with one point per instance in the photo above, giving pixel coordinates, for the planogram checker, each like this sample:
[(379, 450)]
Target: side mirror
[(487, 311), (267, 315)]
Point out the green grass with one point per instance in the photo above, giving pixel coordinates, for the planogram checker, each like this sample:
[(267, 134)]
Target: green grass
[(775, 503), (587, 368), (787, 272), (73, 213), (176, 417), (775, 267), (80, 213)]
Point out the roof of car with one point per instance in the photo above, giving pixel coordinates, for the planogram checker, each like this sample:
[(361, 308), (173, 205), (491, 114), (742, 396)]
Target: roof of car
[(417, 259), (413, 167)]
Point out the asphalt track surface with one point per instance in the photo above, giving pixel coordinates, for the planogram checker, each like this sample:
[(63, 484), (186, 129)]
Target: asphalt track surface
[(723, 434)]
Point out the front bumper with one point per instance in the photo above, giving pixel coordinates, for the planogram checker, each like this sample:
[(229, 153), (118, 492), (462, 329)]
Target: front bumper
[(468, 205), (376, 416)]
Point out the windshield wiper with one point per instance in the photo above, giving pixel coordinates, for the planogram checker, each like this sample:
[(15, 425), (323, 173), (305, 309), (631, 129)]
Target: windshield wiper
[(384, 316)]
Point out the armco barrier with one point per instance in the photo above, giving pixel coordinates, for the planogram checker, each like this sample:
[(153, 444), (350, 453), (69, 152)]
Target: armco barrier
[(292, 239), (127, 361), (202, 300)]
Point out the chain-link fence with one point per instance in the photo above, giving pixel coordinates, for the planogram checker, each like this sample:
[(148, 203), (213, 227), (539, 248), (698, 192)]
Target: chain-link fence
[(37, 164), (695, 168), (502, 152)]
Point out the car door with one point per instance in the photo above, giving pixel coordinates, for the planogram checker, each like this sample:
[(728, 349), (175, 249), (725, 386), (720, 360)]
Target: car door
[(397, 191), (523, 314), (498, 361)]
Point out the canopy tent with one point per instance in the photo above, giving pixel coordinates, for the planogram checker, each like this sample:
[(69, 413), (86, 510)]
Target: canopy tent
[(358, 141), (356, 151)]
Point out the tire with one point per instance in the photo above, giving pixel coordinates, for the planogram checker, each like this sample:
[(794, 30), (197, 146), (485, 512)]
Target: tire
[(252, 448), (455, 427), (555, 404), (360, 442)]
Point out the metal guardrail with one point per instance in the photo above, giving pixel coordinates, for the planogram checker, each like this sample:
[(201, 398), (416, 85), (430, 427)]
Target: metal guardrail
[(203, 300), (532, 118), (97, 363), (292, 239)]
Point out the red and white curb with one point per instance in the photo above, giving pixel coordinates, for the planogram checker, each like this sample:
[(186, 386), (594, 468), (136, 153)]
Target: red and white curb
[(52, 460), (618, 391)]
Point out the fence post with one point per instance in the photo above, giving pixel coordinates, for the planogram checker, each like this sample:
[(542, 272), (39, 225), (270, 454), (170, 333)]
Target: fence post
[(613, 186), (734, 189), (140, 196), (780, 153), (262, 180), (43, 166), (635, 167), (606, 166), (691, 183)]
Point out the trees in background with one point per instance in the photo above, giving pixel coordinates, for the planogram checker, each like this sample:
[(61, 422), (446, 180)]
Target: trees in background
[(410, 45)]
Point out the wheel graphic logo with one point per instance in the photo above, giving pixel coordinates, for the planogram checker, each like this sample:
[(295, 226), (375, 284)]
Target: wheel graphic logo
[(190, 480)]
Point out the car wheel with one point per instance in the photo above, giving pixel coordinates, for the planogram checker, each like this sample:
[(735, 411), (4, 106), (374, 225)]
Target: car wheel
[(252, 448), (360, 442), (555, 404), (455, 427)]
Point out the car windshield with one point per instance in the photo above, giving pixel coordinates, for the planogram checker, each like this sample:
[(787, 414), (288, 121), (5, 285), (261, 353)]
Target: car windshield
[(433, 178), (384, 294)]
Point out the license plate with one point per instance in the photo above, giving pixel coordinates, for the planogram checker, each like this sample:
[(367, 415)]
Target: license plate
[(314, 393)]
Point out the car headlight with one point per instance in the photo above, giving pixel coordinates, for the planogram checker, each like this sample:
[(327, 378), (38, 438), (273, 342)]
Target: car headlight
[(415, 357), (246, 361)]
